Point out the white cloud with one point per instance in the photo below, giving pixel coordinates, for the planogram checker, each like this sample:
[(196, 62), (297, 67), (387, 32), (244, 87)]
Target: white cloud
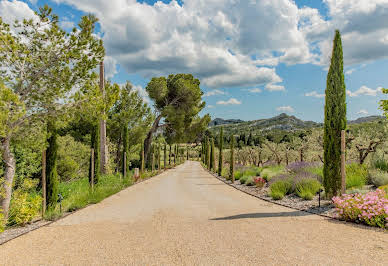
[(67, 24), (142, 92), (314, 94), (364, 90), (210, 106), (110, 66), (287, 109), (9, 11), (350, 71), (231, 101), (363, 112), (214, 92), (274, 87), (255, 90)]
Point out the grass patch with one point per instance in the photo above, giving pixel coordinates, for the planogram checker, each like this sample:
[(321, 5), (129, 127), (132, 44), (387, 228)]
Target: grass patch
[(249, 181), (269, 172), (356, 175), (237, 175), (307, 188), (254, 171), (279, 189), (243, 179)]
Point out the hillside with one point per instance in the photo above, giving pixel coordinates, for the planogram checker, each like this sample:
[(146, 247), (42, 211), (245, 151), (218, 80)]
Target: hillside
[(280, 123)]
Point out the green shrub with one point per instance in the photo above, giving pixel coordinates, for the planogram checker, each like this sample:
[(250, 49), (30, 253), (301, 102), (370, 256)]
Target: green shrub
[(307, 188), (380, 163), (237, 175), (25, 203), (225, 173), (279, 189), (356, 175), (269, 172), (2, 222), (378, 177), (243, 179), (254, 171), (316, 170), (249, 181)]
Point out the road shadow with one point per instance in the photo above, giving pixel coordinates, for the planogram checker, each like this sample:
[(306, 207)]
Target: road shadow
[(262, 215)]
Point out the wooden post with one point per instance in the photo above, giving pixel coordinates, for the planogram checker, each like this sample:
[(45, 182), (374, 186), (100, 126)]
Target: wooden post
[(44, 182), (92, 169), (125, 165), (343, 169)]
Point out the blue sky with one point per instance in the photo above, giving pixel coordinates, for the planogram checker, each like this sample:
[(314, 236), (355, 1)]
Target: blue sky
[(255, 59)]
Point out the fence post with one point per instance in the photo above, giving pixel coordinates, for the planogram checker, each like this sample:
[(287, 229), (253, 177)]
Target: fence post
[(343, 168), (92, 169), (44, 182)]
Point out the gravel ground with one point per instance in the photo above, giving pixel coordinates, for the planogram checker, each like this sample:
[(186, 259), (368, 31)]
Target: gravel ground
[(187, 217)]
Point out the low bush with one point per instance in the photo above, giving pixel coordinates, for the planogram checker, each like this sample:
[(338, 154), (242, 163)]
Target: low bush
[(259, 182), (269, 172), (380, 163), (279, 189), (254, 171), (249, 181), (356, 175), (371, 208), (2, 222), (307, 188), (237, 175), (225, 173), (378, 177), (25, 203), (243, 179)]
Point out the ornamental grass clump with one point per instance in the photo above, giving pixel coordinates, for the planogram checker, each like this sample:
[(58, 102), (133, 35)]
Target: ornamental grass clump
[(378, 177), (370, 209), (307, 188), (243, 179), (237, 175), (249, 181), (279, 189), (356, 175)]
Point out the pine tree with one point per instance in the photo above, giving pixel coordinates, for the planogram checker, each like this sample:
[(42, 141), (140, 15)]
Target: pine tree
[(220, 158), (95, 140), (51, 166), (232, 158), (335, 119)]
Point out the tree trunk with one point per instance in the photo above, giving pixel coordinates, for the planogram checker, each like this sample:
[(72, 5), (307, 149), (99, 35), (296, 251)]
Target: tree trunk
[(148, 139), (9, 174)]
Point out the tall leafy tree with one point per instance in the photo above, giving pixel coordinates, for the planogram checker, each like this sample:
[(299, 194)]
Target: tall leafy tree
[(220, 158), (43, 65), (178, 100), (335, 119)]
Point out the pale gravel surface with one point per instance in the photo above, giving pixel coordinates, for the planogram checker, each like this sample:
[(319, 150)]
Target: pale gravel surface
[(187, 217)]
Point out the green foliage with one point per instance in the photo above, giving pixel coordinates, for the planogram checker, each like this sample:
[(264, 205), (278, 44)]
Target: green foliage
[(243, 179), (269, 172), (238, 174), (384, 104), (231, 171), (220, 158), (356, 175), (253, 171), (225, 173), (25, 204), (249, 181), (335, 119), (307, 188), (95, 138), (280, 188), (378, 177), (2, 222), (51, 167), (380, 163), (73, 158)]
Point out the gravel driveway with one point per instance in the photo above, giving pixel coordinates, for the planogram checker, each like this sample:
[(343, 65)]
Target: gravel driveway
[(187, 217)]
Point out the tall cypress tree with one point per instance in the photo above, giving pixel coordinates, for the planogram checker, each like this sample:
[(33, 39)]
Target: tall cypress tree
[(208, 153), (169, 155), (51, 167), (165, 156), (95, 144), (335, 119), (125, 150), (142, 158), (159, 158), (187, 152), (220, 157), (213, 157), (232, 158)]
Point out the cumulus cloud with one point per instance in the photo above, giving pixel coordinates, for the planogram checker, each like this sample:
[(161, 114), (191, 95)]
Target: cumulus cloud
[(67, 24), (363, 112), (142, 92), (231, 101), (210, 106), (9, 11), (364, 90), (287, 109), (214, 92), (314, 94), (274, 87)]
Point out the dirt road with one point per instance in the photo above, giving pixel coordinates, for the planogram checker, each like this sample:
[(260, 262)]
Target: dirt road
[(187, 217)]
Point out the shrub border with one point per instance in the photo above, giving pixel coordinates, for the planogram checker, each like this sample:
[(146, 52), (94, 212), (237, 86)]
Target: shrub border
[(294, 208)]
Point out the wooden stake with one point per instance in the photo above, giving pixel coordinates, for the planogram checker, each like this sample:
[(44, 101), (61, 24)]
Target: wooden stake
[(44, 182), (343, 169), (92, 169)]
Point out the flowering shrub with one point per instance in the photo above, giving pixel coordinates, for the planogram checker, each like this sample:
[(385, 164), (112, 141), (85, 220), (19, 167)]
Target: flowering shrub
[(370, 208), (259, 182)]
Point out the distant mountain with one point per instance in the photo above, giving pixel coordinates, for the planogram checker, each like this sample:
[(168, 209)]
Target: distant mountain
[(220, 121), (281, 122), (366, 119)]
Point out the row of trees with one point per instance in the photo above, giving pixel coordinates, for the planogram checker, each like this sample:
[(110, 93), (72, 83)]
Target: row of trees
[(52, 99)]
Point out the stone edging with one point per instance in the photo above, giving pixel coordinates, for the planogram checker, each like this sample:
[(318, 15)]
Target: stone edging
[(33, 228)]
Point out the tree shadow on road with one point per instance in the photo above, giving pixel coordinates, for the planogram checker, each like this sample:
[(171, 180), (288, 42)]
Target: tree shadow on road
[(262, 215)]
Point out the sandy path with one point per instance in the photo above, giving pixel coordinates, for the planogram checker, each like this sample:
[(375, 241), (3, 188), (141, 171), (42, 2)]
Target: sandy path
[(187, 217)]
